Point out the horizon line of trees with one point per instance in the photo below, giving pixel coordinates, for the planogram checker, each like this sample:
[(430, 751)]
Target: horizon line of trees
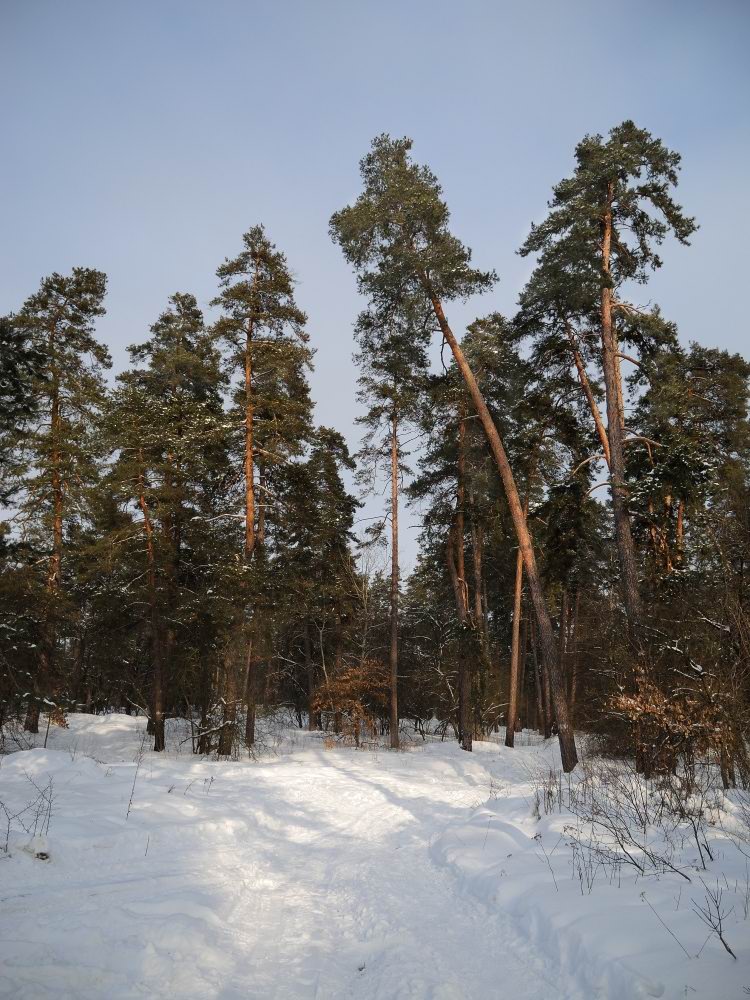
[(183, 543)]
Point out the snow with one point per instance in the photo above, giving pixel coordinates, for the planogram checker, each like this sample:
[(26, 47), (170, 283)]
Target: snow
[(326, 873)]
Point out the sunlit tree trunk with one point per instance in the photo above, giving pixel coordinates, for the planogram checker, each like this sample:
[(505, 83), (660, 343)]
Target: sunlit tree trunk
[(583, 378)]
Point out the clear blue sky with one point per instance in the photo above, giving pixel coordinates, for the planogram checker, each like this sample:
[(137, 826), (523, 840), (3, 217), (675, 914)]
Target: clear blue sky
[(143, 138)]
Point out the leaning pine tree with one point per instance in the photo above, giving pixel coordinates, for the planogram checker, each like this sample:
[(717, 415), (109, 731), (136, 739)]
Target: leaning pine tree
[(397, 238)]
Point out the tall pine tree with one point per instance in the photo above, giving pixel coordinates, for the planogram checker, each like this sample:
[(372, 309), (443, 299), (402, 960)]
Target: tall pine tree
[(605, 225), (393, 364), (396, 236), (57, 457)]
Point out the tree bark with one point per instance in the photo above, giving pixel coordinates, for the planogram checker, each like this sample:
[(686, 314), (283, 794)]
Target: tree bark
[(522, 678), (546, 634), (510, 725), (158, 684), (464, 676), (393, 658), (262, 480), (588, 392), (540, 713)]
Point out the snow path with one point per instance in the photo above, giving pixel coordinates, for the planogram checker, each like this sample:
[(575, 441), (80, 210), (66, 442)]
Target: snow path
[(306, 877)]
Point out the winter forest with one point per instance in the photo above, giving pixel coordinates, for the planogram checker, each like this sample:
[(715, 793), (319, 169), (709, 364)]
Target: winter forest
[(227, 704)]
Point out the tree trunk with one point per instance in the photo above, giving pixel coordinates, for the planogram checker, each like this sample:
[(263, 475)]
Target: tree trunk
[(464, 676), (263, 503), (510, 726), (546, 634), (48, 637), (476, 553), (522, 678), (563, 631), (249, 695), (460, 520), (157, 695), (680, 534), (313, 718), (158, 685), (55, 565), (549, 716), (204, 741), (574, 652), (393, 658), (249, 466), (540, 713), (588, 392), (615, 434), (31, 722), (337, 659), (78, 662), (480, 691), (466, 664), (229, 715)]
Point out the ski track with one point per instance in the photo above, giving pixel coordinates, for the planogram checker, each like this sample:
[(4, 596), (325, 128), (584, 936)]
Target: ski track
[(305, 878)]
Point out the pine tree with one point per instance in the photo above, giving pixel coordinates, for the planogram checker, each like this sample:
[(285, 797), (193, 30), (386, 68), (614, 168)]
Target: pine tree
[(168, 429), (505, 378), (263, 332), (392, 358), (602, 232), (57, 458), (693, 405), (21, 367), (312, 564), (397, 238)]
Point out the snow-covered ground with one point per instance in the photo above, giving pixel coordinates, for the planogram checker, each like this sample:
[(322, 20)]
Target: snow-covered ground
[(333, 873)]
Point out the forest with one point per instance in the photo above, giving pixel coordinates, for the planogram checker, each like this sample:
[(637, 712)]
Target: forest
[(181, 540)]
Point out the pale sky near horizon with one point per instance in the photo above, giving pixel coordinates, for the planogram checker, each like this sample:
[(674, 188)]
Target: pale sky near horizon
[(143, 138)]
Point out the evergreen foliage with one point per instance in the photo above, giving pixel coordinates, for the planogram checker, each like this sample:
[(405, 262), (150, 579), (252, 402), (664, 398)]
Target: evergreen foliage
[(183, 542)]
